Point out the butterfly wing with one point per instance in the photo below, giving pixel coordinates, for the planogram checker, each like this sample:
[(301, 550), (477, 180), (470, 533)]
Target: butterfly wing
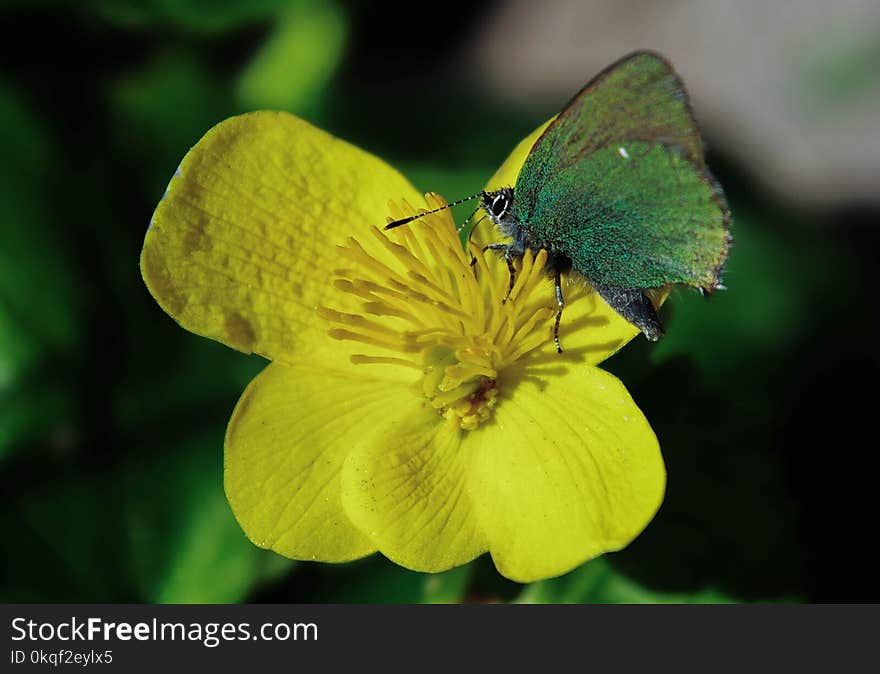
[(619, 184)]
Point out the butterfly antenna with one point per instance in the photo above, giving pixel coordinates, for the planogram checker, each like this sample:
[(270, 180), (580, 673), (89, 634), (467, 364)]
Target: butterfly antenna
[(405, 221), (464, 225)]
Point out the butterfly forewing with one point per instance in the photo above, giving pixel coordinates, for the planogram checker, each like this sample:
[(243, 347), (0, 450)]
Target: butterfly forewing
[(618, 183)]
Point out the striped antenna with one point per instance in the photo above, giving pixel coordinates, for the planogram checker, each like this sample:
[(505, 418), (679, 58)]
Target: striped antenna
[(404, 221)]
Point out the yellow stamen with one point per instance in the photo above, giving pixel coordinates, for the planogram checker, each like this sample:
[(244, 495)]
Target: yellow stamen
[(430, 308)]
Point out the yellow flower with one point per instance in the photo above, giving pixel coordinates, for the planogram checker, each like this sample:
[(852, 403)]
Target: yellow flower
[(408, 409)]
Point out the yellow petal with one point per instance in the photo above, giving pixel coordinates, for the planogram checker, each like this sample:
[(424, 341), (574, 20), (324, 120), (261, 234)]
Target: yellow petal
[(408, 494), (285, 446), (242, 246), (590, 331), (569, 469)]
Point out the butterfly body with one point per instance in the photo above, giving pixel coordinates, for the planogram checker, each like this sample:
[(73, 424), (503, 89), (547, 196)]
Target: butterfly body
[(617, 190)]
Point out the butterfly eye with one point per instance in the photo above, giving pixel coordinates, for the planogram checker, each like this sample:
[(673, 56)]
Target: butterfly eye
[(499, 205)]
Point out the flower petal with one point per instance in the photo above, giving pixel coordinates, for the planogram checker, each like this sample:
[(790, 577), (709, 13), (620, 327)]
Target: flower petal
[(241, 248), (285, 445), (408, 493), (590, 330), (569, 469)]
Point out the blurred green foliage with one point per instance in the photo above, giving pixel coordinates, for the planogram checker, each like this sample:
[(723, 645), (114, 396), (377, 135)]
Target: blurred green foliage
[(112, 417), (294, 65), (38, 307), (597, 581)]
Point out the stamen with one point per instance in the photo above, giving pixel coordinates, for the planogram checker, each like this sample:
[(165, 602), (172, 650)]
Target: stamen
[(361, 359), (422, 298)]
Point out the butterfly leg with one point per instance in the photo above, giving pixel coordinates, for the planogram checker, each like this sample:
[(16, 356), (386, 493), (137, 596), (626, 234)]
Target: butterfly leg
[(508, 258), (636, 307), (470, 234), (560, 302)]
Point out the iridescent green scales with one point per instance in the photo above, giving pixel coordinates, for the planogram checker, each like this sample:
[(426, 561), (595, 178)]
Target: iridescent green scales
[(646, 218), (616, 189)]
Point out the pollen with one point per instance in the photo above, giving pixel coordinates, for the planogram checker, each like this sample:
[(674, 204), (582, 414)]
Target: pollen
[(443, 311)]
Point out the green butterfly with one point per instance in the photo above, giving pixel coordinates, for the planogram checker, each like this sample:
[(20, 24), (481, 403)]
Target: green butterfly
[(617, 190)]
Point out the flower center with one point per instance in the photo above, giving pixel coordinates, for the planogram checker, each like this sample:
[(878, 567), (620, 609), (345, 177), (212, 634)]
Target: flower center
[(427, 304)]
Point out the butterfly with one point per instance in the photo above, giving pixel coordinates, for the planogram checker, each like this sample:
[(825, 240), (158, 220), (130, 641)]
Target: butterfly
[(617, 191)]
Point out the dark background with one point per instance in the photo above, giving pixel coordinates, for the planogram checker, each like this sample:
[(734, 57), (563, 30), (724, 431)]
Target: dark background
[(112, 417)]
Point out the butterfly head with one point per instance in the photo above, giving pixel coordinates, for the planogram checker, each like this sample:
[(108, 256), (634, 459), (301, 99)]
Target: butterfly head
[(497, 206)]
